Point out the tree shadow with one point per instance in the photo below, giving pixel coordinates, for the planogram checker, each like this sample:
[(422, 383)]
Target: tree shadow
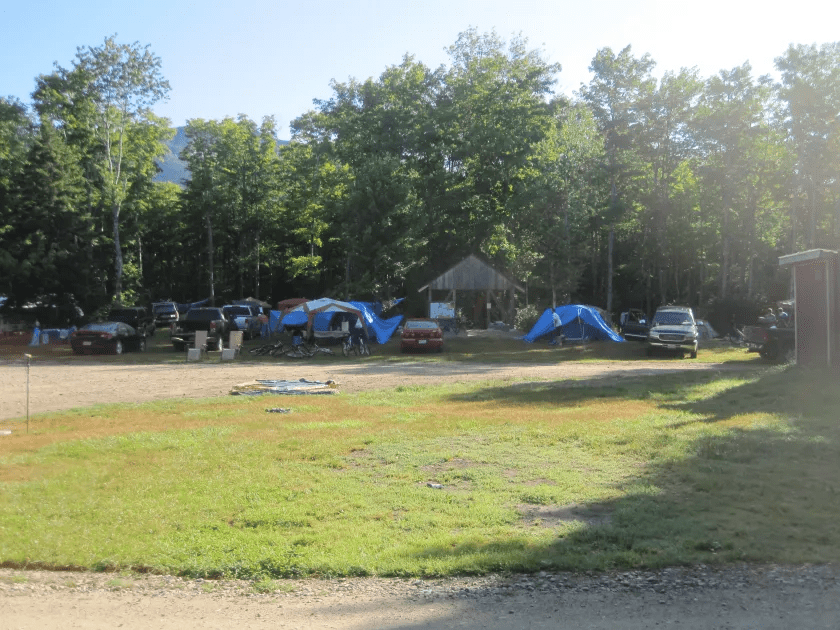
[(758, 478)]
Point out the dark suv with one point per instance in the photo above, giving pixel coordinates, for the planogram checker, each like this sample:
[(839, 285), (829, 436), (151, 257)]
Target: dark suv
[(673, 329), (135, 316), (165, 313)]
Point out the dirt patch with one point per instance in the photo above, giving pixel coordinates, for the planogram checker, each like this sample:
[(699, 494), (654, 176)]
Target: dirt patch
[(56, 387)]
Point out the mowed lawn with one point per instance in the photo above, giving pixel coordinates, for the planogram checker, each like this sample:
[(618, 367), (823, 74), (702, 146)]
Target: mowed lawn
[(714, 467)]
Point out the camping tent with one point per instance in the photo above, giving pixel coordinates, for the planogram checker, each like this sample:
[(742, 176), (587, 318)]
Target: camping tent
[(319, 315), (577, 323)]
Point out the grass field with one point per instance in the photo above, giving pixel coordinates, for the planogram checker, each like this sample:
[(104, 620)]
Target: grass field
[(465, 479)]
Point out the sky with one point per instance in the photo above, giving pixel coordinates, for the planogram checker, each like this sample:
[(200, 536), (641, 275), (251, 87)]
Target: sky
[(272, 58)]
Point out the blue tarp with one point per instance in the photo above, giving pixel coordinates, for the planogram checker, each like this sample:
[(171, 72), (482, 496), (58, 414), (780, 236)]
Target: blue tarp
[(186, 306), (577, 323), (378, 328)]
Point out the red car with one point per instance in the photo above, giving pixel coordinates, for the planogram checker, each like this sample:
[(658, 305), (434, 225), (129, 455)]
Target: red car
[(421, 334), (106, 338)]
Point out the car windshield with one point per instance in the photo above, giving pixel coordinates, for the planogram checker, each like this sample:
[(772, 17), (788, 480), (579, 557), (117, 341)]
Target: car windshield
[(420, 324), (164, 308), (671, 318), (237, 310)]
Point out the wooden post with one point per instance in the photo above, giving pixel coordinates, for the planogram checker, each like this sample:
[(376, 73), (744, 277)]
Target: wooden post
[(28, 361)]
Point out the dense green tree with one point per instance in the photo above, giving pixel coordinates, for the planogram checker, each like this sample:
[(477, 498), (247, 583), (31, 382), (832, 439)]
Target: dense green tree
[(17, 134), (619, 95), (555, 231), (810, 92), (233, 192), (47, 242), (97, 103), (730, 122)]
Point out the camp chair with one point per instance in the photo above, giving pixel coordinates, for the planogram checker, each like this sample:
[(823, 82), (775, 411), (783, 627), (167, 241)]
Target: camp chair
[(200, 340), (234, 345)]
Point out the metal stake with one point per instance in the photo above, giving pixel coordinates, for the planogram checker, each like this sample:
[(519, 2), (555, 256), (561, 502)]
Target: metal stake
[(28, 361)]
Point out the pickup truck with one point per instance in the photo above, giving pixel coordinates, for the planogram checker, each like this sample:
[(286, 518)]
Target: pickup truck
[(210, 319), (245, 318), (773, 343)]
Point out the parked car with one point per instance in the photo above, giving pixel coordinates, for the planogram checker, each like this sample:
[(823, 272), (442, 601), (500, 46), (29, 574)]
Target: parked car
[(165, 313), (421, 334), (107, 338), (244, 317), (673, 329), (135, 316)]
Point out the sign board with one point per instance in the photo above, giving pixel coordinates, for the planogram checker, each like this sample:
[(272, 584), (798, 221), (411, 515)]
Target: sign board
[(442, 310)]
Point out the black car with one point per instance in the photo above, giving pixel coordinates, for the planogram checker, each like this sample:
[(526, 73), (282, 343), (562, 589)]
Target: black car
[(673, 329), (106, 338), (135, 316)]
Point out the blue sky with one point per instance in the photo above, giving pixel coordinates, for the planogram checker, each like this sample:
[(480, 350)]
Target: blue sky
[(263, 57)]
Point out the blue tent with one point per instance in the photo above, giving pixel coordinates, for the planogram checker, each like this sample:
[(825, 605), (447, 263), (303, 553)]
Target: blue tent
[(577, 323), (328, 314)]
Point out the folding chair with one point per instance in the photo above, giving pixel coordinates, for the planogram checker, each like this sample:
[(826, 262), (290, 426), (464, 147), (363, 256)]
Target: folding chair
[(200, 341), (234, 345)]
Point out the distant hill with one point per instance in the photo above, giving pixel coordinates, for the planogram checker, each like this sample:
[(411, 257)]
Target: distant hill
[(174, 169)]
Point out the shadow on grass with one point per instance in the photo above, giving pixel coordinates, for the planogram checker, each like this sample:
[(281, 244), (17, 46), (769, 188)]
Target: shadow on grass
[(633, 383), (765, 491)]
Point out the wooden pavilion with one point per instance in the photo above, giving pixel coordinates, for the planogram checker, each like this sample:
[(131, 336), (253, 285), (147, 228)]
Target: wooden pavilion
[(473, 274)]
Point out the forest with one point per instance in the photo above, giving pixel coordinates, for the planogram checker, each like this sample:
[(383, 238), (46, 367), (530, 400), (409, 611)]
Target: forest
[(634, 191)]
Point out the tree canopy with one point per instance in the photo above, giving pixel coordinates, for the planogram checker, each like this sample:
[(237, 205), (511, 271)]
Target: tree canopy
[(634, 191)]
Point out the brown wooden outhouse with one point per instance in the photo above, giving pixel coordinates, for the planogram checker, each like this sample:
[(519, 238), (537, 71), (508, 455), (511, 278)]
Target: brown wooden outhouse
[(817, 311)]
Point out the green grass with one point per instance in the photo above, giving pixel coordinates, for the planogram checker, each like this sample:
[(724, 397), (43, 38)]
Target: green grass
[(460, 348), (673, 470)]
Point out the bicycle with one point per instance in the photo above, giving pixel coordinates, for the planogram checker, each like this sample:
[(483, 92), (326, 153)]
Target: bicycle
[(306, 350), (355, 345), (272, 349)]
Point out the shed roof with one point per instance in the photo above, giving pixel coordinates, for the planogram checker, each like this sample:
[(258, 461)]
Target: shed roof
[(806, 256), (472, 274)]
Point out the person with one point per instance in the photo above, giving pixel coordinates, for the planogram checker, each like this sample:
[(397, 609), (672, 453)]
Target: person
[(556, 337), (358, 332), (782, 318), (769, 318)]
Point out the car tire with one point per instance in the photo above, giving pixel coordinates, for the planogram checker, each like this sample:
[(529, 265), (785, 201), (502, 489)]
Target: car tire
[(693, 354), (118, 347), (178, 347)]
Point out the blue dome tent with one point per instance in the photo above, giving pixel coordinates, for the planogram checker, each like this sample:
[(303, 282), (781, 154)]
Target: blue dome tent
[(577, 323)]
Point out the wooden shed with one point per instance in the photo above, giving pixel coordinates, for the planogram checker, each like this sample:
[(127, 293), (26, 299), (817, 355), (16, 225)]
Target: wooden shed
[(817, 311), (475, 275)]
